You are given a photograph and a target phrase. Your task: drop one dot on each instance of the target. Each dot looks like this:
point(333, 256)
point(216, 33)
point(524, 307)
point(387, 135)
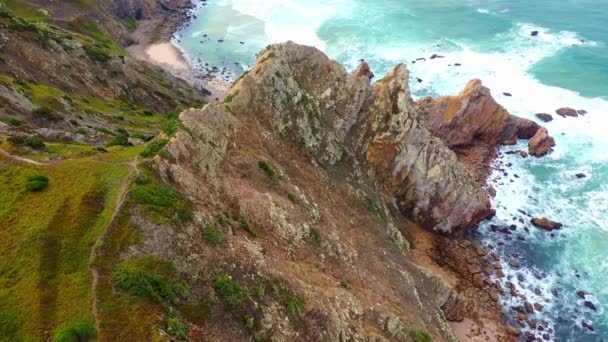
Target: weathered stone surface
point(541, 143)
point(471, 115)
point(567, 111)
point(544, 117)
point(546, 224)
point(363, 70)
point(297, 92)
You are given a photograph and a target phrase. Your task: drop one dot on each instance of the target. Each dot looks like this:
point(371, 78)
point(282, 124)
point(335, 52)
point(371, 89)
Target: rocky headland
point(307, 204)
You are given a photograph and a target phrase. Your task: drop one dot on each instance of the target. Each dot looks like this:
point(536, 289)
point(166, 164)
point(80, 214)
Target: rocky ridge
point(333, 141)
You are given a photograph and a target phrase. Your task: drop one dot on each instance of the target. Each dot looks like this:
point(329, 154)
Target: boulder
point(546, 224)
point(519, 128)
point(541, 143)
point(534, 33)
point(567, 111)
point(581, 175)
point(363, 70)
point(590, 305)
point(544, 117)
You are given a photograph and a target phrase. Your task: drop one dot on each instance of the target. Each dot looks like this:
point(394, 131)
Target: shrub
point(264, 166)
point(14, 122)
point(37, 183)
point(96, 54)
point(141, 179)
point(153, 148)
point(16, 140)
point(44, 113)
point(171, 127)
point(260, 291)
point(212, 235)
point(294, 304)
point(148, 284)
point(344, 285)
point(119, 140)
point(421, 336)
point(164, 200)
point(246, 226)
point(177, 328)
point(294, 198)
point(34, 142)
point(76, 331)
point(233, 293)
point(249, 321)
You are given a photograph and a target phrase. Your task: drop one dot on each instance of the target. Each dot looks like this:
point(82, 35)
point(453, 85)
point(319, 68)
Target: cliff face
point(318, 164)
point(370, 134)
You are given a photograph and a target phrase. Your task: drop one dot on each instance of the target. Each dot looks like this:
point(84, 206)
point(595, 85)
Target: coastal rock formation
point(567, 111)
point(546, 224)
point(544, 117)
point(472, 123)
point(363, 70)
point(541, 143)
point(316, 164)
point(473, 115)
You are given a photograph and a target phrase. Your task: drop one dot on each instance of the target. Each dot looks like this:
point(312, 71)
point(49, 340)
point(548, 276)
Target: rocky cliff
point(369, 134)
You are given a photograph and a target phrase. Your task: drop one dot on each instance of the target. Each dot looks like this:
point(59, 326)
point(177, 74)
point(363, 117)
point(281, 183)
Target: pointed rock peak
point(363, 70)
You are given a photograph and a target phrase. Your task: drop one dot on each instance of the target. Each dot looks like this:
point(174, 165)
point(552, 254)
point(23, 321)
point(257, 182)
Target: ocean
point(565, 65)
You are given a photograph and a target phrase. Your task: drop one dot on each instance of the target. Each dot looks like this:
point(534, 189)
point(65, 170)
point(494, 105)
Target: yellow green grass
point(46, 238)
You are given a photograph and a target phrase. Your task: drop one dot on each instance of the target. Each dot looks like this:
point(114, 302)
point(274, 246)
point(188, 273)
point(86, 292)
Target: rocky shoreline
point(465, 264)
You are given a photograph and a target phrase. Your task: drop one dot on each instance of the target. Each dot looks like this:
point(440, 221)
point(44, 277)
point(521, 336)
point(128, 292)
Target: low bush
point(421, 336)
point(153, 148)
point(294, 304)
point(177, 328)
point(45, 113)
point(264, 166)
point(119, 140)
point(14, 122)
point(147, 284)
point(37, 183)
point(171, 127)
point(76, 331)
point(164, 200)
point(34, 142)
point(231, 292)
point(213, 235)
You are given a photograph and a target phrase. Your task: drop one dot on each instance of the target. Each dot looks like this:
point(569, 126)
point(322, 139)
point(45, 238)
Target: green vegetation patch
point(153, 147)
point(293, 303)
point(76, 331)
point(177, 328)
point(213, 235)
point(48, 235)
point(150, 278)
point(268, 170)
point(232, 293)
point(421, 336)
point(163, 200)
point(37, 183)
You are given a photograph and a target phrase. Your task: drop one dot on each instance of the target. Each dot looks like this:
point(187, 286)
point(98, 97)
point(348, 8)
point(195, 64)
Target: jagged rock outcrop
point(541, 143)
point(363, 70)
point(346, 158)
point(466, 118)
point(369, 132)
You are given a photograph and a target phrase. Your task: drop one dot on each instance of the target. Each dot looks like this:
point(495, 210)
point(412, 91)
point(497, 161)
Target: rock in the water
point(581, 294)
point(581, 175)
point(541, 143)
point(544, 117)
point(363, 70)
point(567, 111)
point(507, 94)
point(523, 154)
point(534, 33)
point(546, 224)
point(590, 305)
point(581, 112)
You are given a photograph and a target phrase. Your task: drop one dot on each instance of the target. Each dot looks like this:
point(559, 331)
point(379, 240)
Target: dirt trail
point(122, 194)
point(21, 159)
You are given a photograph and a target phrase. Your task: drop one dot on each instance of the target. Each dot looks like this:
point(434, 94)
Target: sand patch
point(167, 53)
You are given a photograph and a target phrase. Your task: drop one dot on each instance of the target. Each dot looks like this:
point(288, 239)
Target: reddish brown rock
point(567, 111)
point(471, 115)
point(544, 117)
point(541, 143)
point(363, 70)
point(546, 224)
point(518, 128)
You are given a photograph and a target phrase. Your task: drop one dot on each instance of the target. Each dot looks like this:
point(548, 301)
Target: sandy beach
point(153, 45)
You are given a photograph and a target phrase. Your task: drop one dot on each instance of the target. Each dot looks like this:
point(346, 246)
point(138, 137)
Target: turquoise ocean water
point(565, 65)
